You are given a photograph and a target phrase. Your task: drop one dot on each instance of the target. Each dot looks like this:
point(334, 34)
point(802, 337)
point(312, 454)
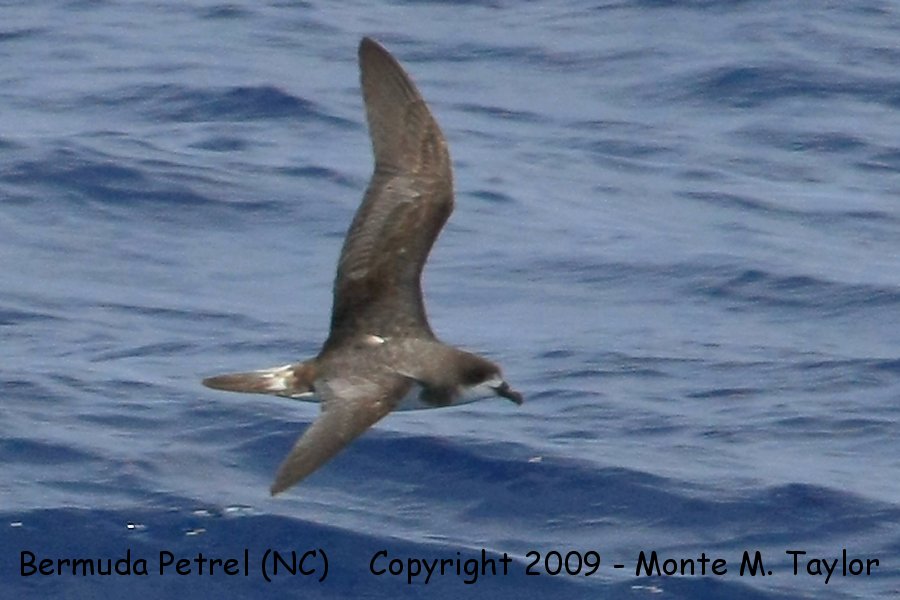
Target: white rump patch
point(277, 377)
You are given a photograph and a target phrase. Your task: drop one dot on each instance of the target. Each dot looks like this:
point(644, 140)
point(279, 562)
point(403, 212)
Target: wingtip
point(280, 484)
point(368, 45)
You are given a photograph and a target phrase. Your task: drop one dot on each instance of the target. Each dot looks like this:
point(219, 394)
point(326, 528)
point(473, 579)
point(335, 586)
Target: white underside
point(413, 401)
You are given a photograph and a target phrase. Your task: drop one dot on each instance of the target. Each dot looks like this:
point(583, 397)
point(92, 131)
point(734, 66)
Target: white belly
point(413, 401)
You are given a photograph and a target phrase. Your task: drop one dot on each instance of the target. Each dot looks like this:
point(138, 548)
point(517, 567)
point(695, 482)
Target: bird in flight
point(381, 354)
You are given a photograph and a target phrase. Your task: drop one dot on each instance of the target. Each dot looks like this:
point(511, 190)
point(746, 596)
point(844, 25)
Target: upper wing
point(405, 206)
point(349, 407)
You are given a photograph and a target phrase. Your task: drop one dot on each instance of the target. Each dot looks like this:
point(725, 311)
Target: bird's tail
point(291, 381)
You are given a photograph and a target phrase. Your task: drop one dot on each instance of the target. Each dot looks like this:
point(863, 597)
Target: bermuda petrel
point(381, 354)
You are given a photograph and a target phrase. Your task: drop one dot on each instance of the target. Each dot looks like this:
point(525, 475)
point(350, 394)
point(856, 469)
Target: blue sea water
point(677, 228)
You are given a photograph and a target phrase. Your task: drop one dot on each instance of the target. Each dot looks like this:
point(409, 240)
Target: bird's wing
point(410, 196)
point(350, 405)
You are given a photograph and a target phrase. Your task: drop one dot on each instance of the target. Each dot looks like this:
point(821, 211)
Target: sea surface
point(677, 229)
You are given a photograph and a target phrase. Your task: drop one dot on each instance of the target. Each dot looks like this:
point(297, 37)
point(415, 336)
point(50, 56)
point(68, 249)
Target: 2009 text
point(555, 563)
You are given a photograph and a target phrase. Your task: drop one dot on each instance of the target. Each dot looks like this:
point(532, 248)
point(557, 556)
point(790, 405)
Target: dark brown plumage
point(381, 352)
point(409, 198)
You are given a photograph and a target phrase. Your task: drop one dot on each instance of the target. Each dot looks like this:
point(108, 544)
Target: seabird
point(381, 353)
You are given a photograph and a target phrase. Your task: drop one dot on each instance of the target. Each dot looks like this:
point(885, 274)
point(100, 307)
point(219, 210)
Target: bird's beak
point(507, 392)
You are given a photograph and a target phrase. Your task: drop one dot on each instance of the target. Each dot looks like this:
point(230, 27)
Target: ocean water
point(677, 228)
